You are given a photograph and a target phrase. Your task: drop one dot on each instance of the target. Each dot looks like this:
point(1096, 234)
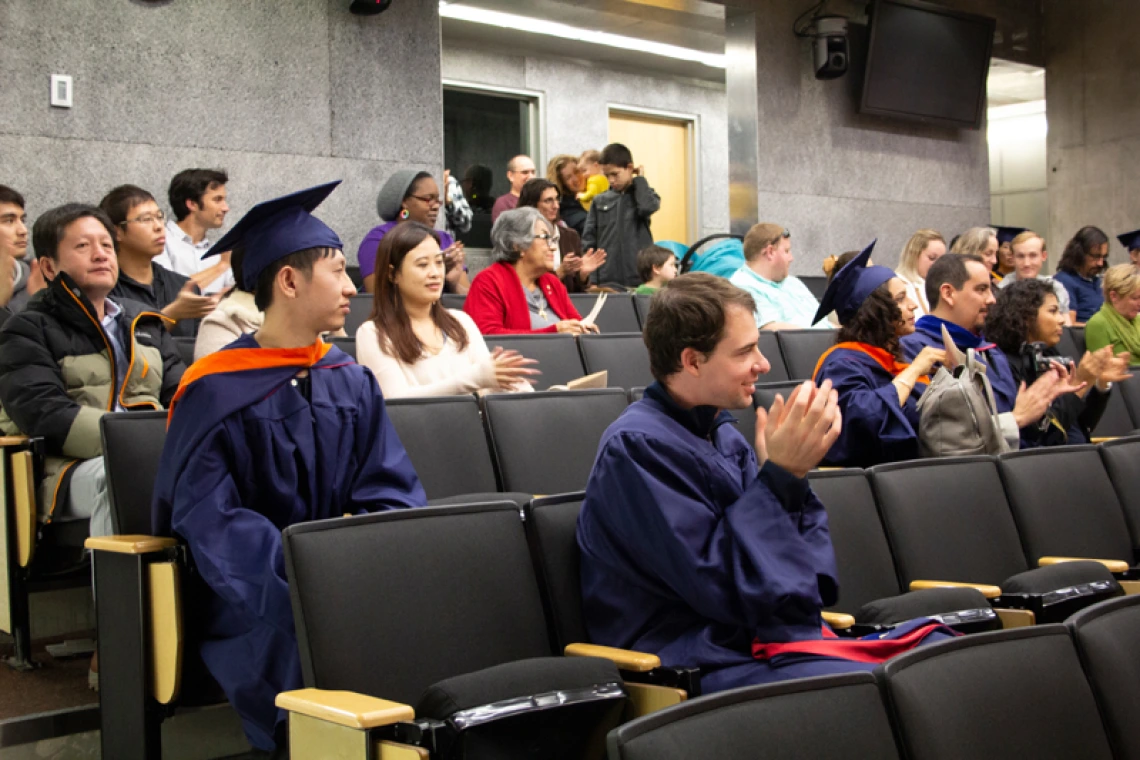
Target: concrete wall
point(281, 94)
point(576, 97)
point(1093, 107)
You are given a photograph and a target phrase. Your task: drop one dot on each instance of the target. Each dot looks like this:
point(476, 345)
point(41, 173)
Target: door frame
point(536, 113)
point(692, 124)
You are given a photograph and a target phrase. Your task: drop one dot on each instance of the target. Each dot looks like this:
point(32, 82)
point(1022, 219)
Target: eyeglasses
point(431, 200)
point(148, 219)
point(551, 240)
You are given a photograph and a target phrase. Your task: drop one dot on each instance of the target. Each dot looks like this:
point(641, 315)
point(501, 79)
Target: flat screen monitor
point(928, 63)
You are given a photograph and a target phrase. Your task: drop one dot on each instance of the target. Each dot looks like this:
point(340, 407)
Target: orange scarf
point(881, 356)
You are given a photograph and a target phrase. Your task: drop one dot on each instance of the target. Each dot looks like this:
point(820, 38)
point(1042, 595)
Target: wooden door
point(664, 148)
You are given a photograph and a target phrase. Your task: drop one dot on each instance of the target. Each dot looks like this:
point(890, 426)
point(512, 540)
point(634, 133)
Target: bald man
point(520, 169)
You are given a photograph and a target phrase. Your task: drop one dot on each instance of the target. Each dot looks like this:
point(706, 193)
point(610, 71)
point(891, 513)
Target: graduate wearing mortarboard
point(1005, 236)
point(275, 429)
point(878, 393)
point(1131, 243)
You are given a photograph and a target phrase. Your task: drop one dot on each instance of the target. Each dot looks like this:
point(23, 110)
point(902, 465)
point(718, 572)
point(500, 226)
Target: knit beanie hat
point(393, 193)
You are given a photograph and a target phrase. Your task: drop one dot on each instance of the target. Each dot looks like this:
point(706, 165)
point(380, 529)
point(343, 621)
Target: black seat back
point(1122, 461)
point(618, 315)
point(862, 554)
point(826, 718)
point(622, 355)
point(348, 345)
point(185, 348)
point(132, 449)
point(453, 300)
point(1068, 345)
point(387, 604)
point(765, 394)
point(817, 284)
point(1013, 693)
point(1129, 391)
point(445, 440)
point(770, 347)
point(360, 307)
point(557, 355)
point(1116, 420)
point(1106, 635)
point(802, 349)
point(641, 304)
point(545, 443)
point(552, 530)
point(1064, 504)
point(948, 520)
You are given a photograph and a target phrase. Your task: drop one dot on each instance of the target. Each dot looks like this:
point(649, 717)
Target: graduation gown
point(692, 552)
point(247, 454)
point(928, 332)
point(876, 429)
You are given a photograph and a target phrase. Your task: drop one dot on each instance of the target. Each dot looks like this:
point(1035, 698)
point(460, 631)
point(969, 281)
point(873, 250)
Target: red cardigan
point(498, 305)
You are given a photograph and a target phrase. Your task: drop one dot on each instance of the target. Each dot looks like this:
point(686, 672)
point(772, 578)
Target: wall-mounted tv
point(927, 62)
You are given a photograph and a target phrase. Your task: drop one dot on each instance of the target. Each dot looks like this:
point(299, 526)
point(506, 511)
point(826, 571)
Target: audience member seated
point(618, 219)
point(198, 199)
point(923, 249)
point(520, 170)
point(782, 301)
point(519, 293)
point(1084, 259)
point(574, 267)
point(981, 242)
point(75, 354)
point(1005, 236)
point(655, 266)
point(1116, 323)
point(411, 195)
point(959, 288)
point(1026, 323)
point(878, 393)
point(415, 346)
point(1131, 243)
point(236, 315)
point(278, 428)
point(26, 278)
point(698, 547)
point(563, 171)
point(1028, 251)
point(140, 234)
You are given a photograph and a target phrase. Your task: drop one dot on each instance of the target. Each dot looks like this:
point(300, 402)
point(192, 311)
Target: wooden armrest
point(166, 639)
point(839, 621)
point(1113, 565)
point(344, 708)
point(1103, 438)
point(626, 659)
point(20, 468)
point(989, 592)
point(136, 544)
point(13, 440)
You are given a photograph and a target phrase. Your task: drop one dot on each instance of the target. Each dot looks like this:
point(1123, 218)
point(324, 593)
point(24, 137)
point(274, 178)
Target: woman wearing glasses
point(412, 195)
point(519, 292)
point(1085, 257)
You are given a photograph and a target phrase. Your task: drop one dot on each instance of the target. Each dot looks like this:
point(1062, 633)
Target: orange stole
point(884, 359)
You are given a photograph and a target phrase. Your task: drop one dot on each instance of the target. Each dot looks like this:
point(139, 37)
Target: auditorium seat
point(802, 348)
point(1072, 343)
point(623, 356)
point(641, 303)
point(132, 450)
point(453, 301)
point(765, 394)
point(348, 345)
point(1129, 391)
point(1116, 421)
point(618, 315)
point(545, 443)
point(185, 348)
point(360, 307)
point(816, 284)
point(1122, 461)
point(557, 355)
point(770, 348)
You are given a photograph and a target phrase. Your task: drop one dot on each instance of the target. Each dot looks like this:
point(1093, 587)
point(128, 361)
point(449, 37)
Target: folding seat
point(387, 605)
point(622, 355)
point(185, 348)
point(1072, 343)
point(1106, 635)
point(816, 284)
point(618, 315)
point(1065, 506)
point(765, 394)
point(453, 300)
point(802, 349)
point(825, 718)
point(1116, 420)
point(1129, 391)
point(545, 443)
point(360, 308)
point(948, 520)
point(869, 589)
point(348, 345)
point(641, 304)
point(1121, 459)
point(769, 346)
point(557, 355)
point(1018, 693)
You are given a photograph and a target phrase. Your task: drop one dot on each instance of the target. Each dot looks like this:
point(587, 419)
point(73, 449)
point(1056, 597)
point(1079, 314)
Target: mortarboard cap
point(1130, 240)
point(851, 285)
point(273, 229)
point(1007, 234)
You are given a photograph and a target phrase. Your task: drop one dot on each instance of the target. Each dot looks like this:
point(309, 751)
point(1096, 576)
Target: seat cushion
point(916, 604)
point(1041, 580)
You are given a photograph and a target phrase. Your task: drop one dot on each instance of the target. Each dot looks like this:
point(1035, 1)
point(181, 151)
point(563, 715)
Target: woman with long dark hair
point(1079, 269)
point(415, 346)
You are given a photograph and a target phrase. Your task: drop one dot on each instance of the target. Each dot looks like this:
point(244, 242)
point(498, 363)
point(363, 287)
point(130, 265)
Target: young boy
point(618, 221)
point(656, 266)
point(596, 183)
point(275, 429)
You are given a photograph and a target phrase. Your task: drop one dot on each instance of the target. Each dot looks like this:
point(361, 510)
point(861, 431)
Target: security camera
point(830, 47)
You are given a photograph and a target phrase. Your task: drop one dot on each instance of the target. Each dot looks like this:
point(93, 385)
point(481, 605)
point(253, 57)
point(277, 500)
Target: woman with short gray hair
point(519, 293)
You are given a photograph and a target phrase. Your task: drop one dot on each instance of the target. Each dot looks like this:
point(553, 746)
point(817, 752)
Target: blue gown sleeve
point(876, 428)
point(385, 477)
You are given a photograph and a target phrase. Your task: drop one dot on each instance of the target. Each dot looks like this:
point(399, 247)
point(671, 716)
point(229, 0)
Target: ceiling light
point(565, 31)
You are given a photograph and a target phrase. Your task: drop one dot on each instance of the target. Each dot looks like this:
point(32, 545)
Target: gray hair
point(514, 232)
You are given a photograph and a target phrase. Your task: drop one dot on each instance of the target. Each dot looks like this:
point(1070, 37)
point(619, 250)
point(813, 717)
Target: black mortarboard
point(273, 229)
point(851, 285)
point(1130, 240)
point(1007, 234)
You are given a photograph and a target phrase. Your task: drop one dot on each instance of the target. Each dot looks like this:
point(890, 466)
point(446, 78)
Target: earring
point(403, 213)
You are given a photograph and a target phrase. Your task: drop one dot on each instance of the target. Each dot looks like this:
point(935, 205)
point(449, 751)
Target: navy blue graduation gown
point(246, 455)
point(927, 332)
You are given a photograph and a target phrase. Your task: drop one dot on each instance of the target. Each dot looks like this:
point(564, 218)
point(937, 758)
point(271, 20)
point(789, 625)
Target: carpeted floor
point(55, 685)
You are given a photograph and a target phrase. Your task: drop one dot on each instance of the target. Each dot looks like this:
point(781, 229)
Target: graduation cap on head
point(851, 285)
point(273, 229)
point(1130, 240)
point(1007, 234)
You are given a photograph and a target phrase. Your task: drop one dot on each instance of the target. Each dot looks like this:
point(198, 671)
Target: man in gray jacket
point(618, 221)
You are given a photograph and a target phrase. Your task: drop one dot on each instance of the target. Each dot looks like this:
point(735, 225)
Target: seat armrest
point(625, 659)
point(13, 440)
point(839, 621)
point(133, 544)
point(989, 592)
point(18, 467)
point(1113, 565)
point(344, 708)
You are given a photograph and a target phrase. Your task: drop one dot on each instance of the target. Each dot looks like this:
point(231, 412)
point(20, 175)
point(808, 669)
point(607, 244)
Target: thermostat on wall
point(61, 91)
